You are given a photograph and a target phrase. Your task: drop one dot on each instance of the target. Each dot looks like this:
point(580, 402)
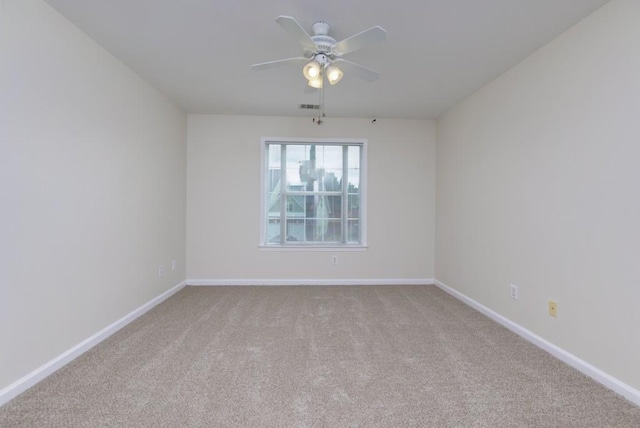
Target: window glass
point(319, 207)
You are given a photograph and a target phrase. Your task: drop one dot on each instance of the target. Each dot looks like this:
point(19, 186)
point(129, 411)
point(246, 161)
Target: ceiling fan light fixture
point(316, 83)
point(311, 70)
point(334, 74)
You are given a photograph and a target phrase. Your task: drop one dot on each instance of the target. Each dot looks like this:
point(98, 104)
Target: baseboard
point(61, 360)
point(291, 282)
point(593, 372)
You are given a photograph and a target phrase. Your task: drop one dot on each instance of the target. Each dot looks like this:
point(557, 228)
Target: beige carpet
point(370, 356)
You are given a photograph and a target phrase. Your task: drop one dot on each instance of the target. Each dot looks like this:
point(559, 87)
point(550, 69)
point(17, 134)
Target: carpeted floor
point(369, 356)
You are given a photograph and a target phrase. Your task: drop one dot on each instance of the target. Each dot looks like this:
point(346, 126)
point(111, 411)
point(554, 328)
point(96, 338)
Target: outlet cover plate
point(553, 308)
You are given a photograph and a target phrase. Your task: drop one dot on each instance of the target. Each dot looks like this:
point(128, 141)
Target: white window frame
point(362, 245)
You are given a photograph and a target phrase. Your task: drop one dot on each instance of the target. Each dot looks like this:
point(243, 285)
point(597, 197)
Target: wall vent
point(310, 106)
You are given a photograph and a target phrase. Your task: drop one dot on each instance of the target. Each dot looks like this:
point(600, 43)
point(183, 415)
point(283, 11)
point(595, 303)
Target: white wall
point(223, 200)
point(538, 185)
point(92, 187)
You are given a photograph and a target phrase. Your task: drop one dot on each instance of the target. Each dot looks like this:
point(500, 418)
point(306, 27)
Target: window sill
point(313, 248)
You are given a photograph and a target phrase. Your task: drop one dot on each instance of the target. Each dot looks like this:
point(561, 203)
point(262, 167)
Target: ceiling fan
point(323, 55)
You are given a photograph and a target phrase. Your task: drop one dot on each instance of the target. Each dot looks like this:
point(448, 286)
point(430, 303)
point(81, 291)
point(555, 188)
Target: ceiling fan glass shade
point(311, 70)
point(316, 83)
point(334, 74)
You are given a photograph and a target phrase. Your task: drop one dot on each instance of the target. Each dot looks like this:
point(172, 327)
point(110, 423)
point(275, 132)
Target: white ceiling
point(437, 52)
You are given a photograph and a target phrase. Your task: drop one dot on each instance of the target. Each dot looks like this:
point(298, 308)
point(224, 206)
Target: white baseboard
point(66, 357)
point(593, 372)
point(291, 282)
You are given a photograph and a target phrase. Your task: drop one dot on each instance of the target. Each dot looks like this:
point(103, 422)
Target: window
point(313, 193)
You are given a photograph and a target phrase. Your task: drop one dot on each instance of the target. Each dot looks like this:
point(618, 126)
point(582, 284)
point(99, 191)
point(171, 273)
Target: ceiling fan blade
point(361, 40)
point(296, 31)
point(362, 72)
point(279, 63)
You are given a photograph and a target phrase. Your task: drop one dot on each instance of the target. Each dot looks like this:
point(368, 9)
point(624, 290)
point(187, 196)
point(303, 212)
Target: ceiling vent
point(310, 106)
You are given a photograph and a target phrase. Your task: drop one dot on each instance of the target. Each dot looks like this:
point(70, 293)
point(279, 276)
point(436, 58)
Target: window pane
point(328, 206)
point(333, 206)
point(295, 206)
point(329, 157)
point(317, 217)
point(353, 154)
point(273, 231)
point(298, 167)
point(353, 207)
point(324, 230)
point(353, 231)
point(295, 230)
point(295, 154)
point(273, 205)
point(273, 218)
point(329, 168)
point(310, 206)
point(273, 180)
point(274, 155)
point(354, 181)
point(334, 231)
point(331, 181)
point(323, 218)
point(321, 206)
point(273, 170)
point(315, 230)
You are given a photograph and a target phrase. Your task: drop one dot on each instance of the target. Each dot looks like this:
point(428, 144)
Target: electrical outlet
point(174, 264)
point(334, 260)
point(161, 271)
point(553, 308)
point(513, 291)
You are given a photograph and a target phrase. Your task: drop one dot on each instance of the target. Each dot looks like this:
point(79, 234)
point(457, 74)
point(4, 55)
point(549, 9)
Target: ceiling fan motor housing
point(324, 43)
point(321, 38)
